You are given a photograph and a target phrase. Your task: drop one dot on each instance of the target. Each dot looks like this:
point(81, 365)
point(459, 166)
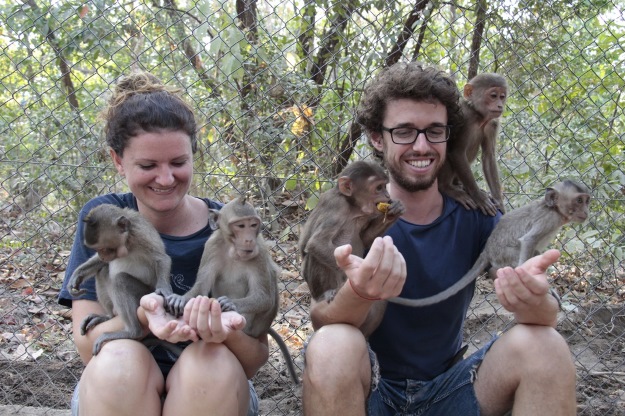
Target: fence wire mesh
point(275, 84)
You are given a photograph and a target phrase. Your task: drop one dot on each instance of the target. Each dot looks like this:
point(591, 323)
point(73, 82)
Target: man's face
point(415, 166)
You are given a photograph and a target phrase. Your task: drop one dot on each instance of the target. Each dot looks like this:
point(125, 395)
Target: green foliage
point(262, 116)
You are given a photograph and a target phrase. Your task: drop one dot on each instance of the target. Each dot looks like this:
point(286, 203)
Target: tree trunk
point(407, 32)
point(478, 33)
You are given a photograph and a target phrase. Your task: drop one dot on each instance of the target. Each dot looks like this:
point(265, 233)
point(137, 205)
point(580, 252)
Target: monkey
point(521, 234)
point(347, 214)
point(237, 269)
point(483, 103)
point(130, 261)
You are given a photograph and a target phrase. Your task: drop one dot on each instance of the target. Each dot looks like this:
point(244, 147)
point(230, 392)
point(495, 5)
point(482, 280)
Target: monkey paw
point(91, 321)
point(226, 304)
point(75, 291)
point(174, 304)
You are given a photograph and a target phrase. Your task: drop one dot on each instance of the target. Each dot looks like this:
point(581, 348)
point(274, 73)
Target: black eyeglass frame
point(419, 131)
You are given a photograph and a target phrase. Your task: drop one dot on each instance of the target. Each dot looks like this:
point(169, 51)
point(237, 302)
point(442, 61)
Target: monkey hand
point(74, 284)
point(174, 304)
point(484, 203)
point(524, 290)
point(226, 304)
point(163, 325)
point(380, 275)
point(396, 209)
point(204, 315)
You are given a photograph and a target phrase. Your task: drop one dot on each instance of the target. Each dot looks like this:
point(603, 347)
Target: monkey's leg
point(286, 354)
point(91, 321)
point(126, 293)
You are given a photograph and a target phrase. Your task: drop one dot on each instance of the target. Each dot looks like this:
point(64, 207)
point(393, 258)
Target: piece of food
point(383, 207)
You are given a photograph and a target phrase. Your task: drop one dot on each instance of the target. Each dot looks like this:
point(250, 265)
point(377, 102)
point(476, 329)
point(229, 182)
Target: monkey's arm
point(462, 167)
point(163, 272)
point(491, 171)
point(87, 270)
point(537, 235)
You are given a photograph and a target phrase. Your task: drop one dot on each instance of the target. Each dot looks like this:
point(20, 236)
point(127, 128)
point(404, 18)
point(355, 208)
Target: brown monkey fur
point(346, 214)
point(130, 262)
point(237, 269)
point(483, 103)
point(521, 234)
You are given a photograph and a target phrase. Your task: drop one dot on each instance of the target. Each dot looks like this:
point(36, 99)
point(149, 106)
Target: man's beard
point(410, 184)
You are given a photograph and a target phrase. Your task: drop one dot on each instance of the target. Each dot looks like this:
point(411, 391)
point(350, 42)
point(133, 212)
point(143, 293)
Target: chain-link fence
point(275, 84)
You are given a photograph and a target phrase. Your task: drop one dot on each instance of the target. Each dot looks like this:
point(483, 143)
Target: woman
point(151, 133)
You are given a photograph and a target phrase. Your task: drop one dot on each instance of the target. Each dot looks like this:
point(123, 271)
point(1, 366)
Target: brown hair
point(142, 103)
point(407, 80)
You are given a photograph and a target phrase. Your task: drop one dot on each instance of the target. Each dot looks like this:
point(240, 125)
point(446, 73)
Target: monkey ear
point(213, 217)
point(468, 90)
point(123, 224)
point(551, 197)
point(345, 185)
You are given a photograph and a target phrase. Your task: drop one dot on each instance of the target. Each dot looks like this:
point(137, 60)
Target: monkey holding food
point(237, 269)
point(521, 234)
point(130, 262)
point(356, 211)
point(483, 103)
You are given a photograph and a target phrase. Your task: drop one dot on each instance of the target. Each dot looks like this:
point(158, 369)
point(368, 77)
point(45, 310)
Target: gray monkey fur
point(520, 234)
point(140, 266)
point(247, 285)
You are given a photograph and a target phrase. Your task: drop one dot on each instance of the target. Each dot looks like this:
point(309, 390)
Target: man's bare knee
point(336, 352)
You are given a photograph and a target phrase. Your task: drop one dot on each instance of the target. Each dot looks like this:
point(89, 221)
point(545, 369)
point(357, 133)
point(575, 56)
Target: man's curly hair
point(407, 80)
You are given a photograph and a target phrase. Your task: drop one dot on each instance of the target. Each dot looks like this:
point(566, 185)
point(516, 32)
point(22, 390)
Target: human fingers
point(151, 302)
point(183, 332)
point(509, 286)
point(378, 258)
point(342, 255)
point(233, 320)
point(201, 315)
point(539, 264)
point(400, 273)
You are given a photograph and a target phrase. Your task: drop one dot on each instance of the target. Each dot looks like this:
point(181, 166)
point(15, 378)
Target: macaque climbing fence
point(274, 85)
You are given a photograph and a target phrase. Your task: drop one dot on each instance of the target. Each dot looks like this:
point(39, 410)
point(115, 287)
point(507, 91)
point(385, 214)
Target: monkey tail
point(478, 267)
point(287, 356)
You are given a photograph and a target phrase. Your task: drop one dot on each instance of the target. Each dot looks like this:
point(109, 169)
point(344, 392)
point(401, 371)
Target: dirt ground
point(46, 382)
point(39, 366)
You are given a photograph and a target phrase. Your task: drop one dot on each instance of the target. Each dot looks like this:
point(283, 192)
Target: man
point(411, 363)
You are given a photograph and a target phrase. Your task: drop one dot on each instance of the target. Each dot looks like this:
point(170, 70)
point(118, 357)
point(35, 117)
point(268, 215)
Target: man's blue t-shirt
point(420, 343)
point(185, 252)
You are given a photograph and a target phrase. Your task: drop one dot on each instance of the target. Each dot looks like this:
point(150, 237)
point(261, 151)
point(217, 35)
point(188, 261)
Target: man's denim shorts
point(451, 393)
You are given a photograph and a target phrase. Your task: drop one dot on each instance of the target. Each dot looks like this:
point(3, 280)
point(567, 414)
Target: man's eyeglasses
point(408, 135)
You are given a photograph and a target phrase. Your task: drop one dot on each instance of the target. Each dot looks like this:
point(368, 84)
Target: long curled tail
point(478, 267)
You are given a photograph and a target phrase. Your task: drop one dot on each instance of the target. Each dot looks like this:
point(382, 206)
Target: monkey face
point(244, 234)
point(158, 167)
point(491, 102)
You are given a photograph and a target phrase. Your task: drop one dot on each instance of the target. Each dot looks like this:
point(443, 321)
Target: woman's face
point(158, 167)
